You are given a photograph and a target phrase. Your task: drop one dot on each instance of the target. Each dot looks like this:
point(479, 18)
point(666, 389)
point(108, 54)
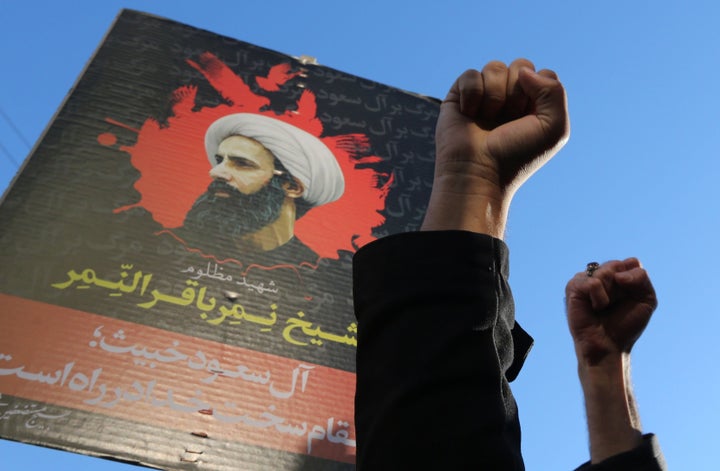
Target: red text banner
point(92, 363)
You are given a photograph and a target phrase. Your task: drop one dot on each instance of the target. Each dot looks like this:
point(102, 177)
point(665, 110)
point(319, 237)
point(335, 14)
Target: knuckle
point(495, 67)
point(575, 282)
point(471, 75)
point(549, 74)
point(570, 286)
point(470, 81)
point(523, 62)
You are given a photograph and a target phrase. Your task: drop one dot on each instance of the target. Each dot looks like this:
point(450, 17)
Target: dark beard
point(214, 219)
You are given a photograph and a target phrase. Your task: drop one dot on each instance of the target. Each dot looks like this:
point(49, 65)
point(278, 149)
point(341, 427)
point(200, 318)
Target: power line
point(15, 128)
point(9, 155)
point(18, 133)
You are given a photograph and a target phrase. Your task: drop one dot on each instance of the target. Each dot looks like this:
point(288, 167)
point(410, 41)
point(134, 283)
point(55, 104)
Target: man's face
point(244, 164)
point(244, 196)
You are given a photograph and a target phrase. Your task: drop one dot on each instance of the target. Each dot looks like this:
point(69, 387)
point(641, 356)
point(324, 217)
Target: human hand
point(608, 311)
point(498, 126)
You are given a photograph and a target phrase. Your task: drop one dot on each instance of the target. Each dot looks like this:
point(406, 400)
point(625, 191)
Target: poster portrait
point(175, 256)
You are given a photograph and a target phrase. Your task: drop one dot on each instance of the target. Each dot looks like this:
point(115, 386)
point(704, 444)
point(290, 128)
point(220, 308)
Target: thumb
point(549, 102)
point(534, 138)
point(637, 284)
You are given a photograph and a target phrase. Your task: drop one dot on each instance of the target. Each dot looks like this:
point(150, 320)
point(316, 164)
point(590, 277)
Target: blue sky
point(638, 177)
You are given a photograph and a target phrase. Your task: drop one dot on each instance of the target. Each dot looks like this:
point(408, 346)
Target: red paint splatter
point(107, 139)
point(174, 168)
point(332, 227)
point(277, 76)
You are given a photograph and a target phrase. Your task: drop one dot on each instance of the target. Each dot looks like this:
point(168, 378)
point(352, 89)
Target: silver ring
point(591, 267)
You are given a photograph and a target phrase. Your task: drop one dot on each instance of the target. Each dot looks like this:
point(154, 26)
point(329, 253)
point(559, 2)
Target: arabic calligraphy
point(197, 361)
point(211, 311)
point(89, 277)
point(108, 397)
point(259, 287)
point(215, 271)
point(339, 436)
point(199, 273)
point(100, 392)
point(316, 334)
point(34, 414)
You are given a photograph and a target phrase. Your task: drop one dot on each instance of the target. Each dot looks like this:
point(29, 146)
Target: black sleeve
point(437, 345)
point(646, 457)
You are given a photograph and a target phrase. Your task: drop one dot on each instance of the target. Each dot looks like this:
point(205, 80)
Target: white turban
point(305, 156)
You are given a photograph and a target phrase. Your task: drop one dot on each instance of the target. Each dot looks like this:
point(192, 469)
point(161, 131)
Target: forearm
point(616, 440)
point(613, 422)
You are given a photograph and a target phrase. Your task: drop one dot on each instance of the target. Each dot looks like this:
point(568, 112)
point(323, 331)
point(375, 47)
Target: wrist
point(594, 365)
point(466, 202)
point(604, 379)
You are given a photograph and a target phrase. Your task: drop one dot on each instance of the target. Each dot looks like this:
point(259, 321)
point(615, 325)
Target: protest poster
point(175, 256)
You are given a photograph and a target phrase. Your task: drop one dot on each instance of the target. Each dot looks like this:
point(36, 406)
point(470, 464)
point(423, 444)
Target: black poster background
point(59, 215)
